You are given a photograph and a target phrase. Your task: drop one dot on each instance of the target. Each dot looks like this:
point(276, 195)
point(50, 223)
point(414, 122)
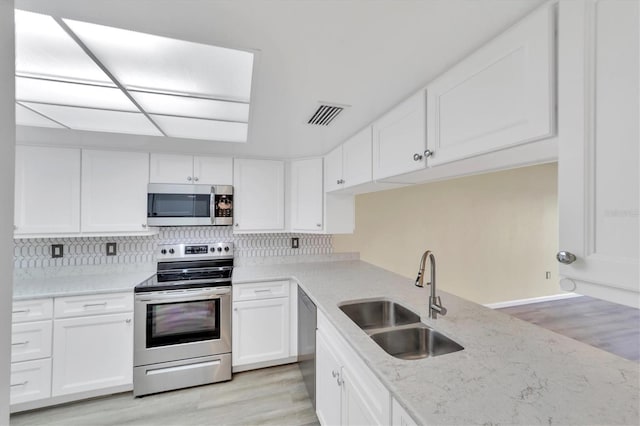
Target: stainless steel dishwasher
point(307, 343)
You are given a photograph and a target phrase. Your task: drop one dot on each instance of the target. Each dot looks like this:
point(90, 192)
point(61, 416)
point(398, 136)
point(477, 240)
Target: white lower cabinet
point(92, 352)
point(264, 322)
point(399, 416)
point(30, 380)
point(347, 392)
point(30, 340)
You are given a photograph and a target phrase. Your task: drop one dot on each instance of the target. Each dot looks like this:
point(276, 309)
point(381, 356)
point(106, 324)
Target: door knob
point(566, 257)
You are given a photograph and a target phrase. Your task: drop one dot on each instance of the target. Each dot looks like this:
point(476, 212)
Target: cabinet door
point(213, 170)
point(398, 137)
point(500, 96)
point(356, 158)
point(355, 410)
point(92, 353)
point(399, 415)
point(260, 331)
point(114, 191)
point(47, 198)
point(259, 195)
point(328, 382)
point(598, 150)
point(306, 195)
point(333, 170)
point(171, 168)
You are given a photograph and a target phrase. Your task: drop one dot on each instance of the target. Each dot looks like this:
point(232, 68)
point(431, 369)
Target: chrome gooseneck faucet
point(435, 304)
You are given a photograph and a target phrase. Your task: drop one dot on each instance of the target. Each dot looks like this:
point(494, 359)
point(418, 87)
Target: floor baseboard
point(518, 302)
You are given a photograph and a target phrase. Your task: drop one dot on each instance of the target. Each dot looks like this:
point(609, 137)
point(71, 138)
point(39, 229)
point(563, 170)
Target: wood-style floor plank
point(271, 396)
point(608, 326)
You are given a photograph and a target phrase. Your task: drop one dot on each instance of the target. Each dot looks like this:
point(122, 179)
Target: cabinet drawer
point(30, 340)
point(32, 310)
point(66, 307)
point(262, 290)
point(30, 380)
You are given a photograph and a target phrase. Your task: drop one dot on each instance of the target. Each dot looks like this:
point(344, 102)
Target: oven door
point(175, 205)
point(181, 324)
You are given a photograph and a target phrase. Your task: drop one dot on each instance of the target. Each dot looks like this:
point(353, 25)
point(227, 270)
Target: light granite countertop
point(75, 285)
point(510, 372)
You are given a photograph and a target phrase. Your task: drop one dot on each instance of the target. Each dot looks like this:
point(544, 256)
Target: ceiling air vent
point(325, 114)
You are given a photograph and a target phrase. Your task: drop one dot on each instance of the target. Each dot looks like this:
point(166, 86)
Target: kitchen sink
point(415, 342)
point(379, 313)
point(398, 330)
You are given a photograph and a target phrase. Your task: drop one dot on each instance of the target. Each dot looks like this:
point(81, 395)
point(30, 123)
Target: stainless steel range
point(182, 319)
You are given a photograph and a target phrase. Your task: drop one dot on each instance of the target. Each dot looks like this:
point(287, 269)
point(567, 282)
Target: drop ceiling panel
point(44, 49)
point(155, 63)
point(98, 120)
point(192, 107)
point(193, 128)
point(72, 94)
point(26, 117)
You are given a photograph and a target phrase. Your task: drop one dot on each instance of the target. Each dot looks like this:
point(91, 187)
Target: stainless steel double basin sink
point(398, 330)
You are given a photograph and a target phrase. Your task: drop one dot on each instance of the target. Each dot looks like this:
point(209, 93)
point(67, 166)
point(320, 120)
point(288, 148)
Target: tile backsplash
point(87, 251)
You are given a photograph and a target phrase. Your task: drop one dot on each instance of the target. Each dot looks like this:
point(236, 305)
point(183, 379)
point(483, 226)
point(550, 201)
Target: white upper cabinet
point(259, 195)
point(114, 191)
point(306, 195)
point(500, 96)
point(47, 190)
point(598, 149)
point(176, 168)
point(333, 170)
point(399, 139)
point(349, 164)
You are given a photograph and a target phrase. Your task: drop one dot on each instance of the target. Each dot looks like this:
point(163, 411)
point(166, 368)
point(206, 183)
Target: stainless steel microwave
point(189, 205)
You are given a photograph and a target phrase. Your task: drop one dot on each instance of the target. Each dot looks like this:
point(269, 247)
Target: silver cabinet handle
point(21, 311)
point(89, 305)
point(19, 384)
point(417, 157)
point(189, 178)
point(566, 257)
point(26, 342)
point(428, 153)
point(195, 179)
point(262, 290)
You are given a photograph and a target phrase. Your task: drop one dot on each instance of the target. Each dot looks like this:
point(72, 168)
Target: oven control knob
point(219, 249)
point(163, 251)
point(212, 249)
point(226, 249)
point(171, 251)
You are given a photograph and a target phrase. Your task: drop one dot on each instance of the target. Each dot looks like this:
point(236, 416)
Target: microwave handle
point(212, 207)
point(180, 296)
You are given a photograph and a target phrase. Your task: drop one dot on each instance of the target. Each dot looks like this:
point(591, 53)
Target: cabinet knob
point(144, 225)
point(236, 225)
point(566, 257)
point(319, 225)
point(428, 153)
point(196, 179)
point(334, 374)
point(128, 320)
point(189, 178)
point(417, 157)
point(340, 181)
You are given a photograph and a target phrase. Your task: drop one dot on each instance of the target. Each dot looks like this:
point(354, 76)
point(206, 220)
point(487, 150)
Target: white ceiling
point(369, 54)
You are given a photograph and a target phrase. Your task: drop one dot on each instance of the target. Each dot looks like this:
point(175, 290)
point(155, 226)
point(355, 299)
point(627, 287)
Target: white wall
point(7, 149)
point(494, 235)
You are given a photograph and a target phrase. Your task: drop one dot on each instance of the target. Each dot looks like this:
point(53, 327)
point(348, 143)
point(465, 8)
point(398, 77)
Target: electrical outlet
point(295, 243)
point(57, 250)
point(111, 249)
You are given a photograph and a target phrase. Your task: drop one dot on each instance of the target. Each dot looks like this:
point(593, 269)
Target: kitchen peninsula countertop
point(510, 372)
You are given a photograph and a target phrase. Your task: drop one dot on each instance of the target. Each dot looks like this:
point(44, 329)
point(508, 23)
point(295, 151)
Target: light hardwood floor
point(271, 396)
point(608, 326)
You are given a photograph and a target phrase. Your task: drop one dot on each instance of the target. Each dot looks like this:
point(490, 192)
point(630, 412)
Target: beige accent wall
point(494, 235)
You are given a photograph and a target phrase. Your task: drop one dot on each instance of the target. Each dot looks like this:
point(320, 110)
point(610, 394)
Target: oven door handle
point(185, 297)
